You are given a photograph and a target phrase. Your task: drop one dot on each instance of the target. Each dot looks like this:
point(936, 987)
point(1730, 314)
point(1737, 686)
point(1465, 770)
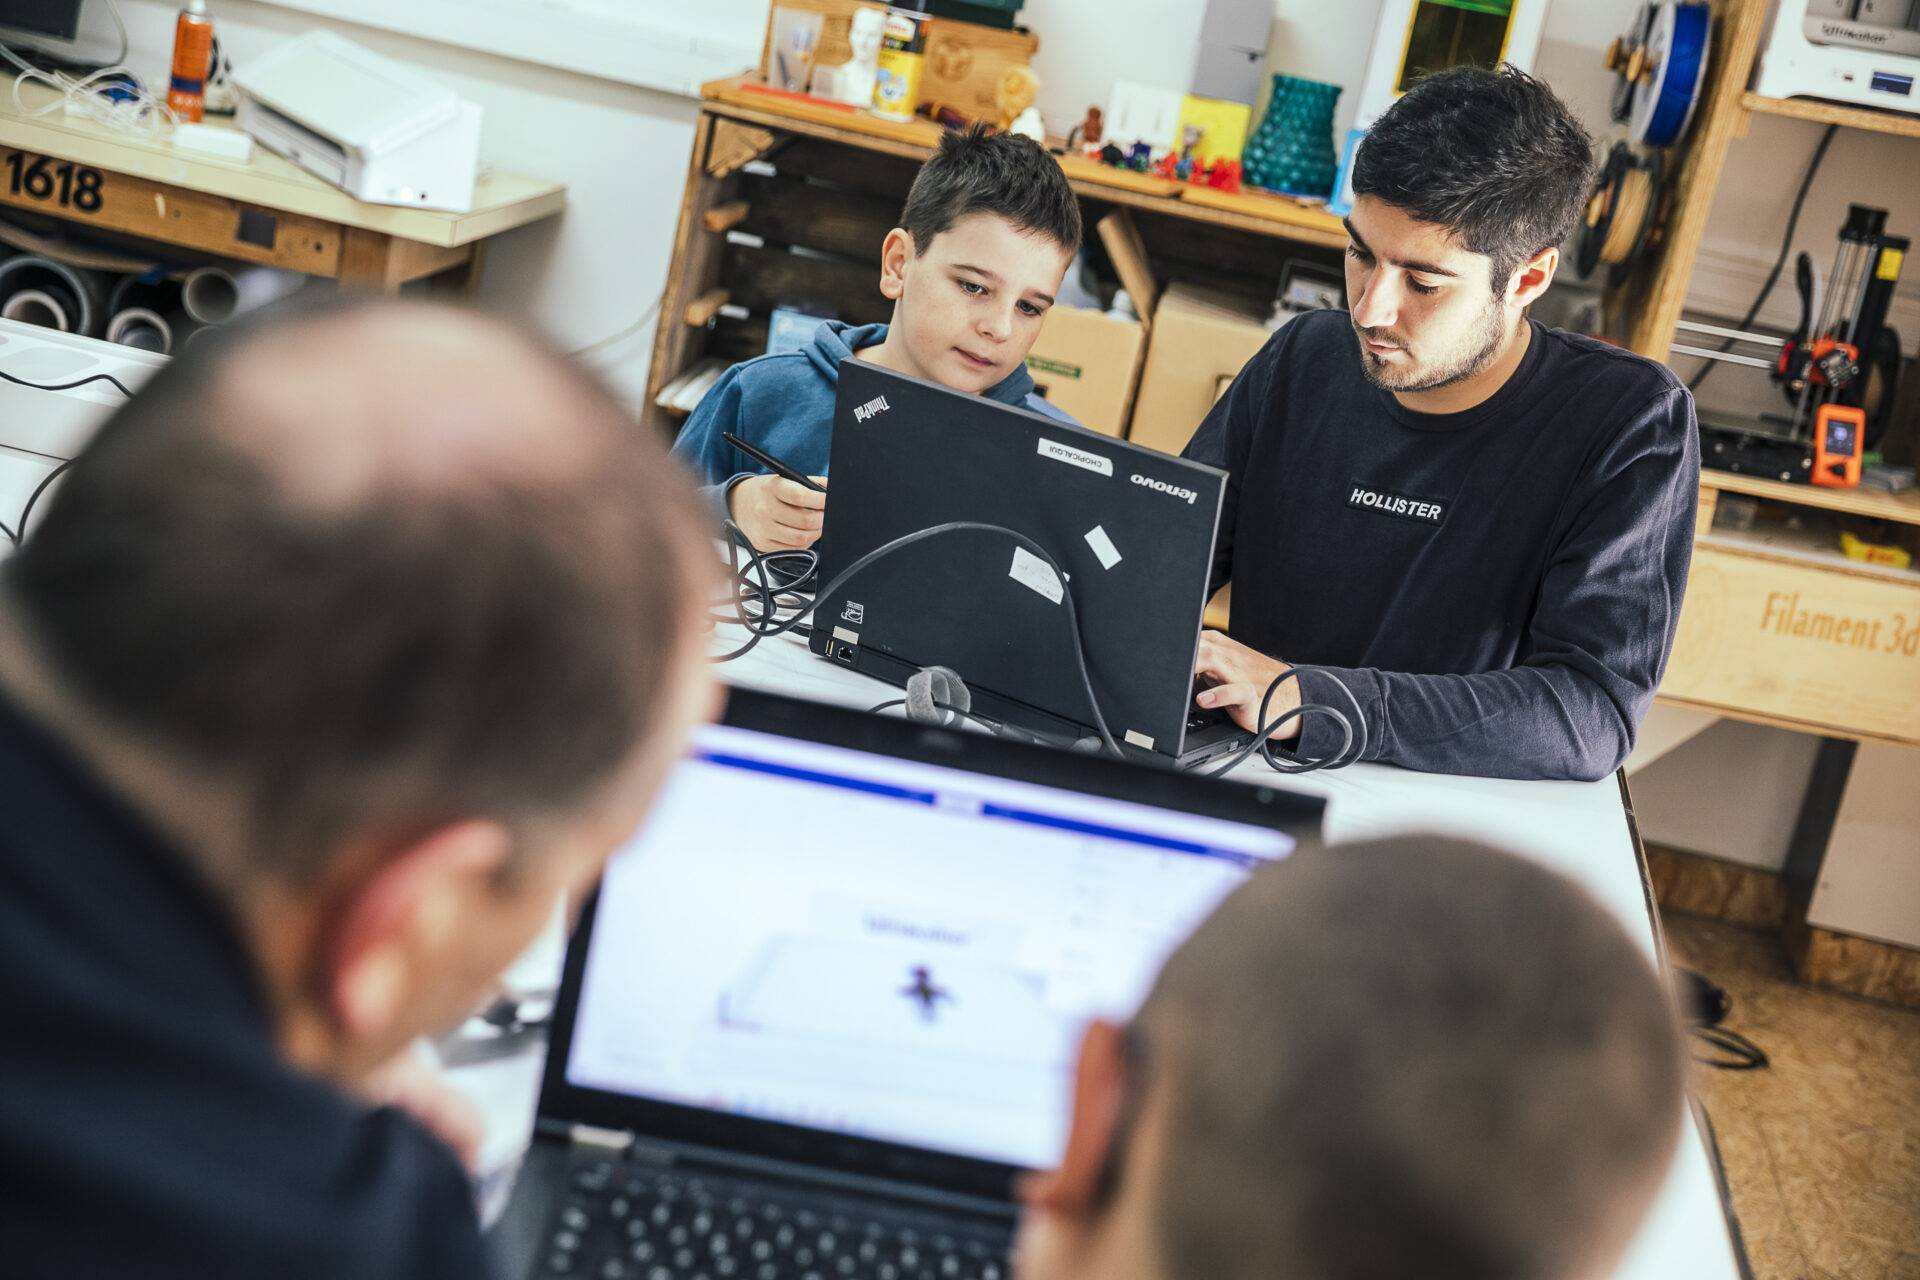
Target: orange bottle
point(192, 61)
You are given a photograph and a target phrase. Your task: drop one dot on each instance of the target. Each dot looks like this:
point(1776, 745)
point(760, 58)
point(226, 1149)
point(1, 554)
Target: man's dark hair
point(380, 636)
point(1418, 1057)
point(1493, 156)
point(976, 171)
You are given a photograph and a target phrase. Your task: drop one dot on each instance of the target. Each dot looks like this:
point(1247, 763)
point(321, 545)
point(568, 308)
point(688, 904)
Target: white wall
point(621, 150)
point(1085, 45)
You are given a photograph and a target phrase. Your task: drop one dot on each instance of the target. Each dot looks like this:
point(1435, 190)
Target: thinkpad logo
point(1187, 496)
point(877, 405)
point(1423, 510)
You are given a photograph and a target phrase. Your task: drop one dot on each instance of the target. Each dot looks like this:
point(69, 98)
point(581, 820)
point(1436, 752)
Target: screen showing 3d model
point(881, 948)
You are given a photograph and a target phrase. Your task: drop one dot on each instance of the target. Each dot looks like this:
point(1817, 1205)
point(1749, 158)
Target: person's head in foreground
point(989, 229)
point(1463, 190)
point(1410, 1058)
point(352, 644)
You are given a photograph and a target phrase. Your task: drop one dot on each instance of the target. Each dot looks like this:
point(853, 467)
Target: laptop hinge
point(588, 1135)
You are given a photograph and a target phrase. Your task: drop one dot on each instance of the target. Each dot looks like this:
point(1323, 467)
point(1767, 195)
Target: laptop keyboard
point(620, 1222)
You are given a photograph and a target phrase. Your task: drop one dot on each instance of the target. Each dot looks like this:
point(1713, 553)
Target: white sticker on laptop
point(1029, 570)
point(1075, 457)
point(1109, 555)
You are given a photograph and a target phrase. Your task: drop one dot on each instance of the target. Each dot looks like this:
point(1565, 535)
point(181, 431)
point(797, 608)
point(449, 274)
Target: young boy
point(988, 232)
point(1417, 1057)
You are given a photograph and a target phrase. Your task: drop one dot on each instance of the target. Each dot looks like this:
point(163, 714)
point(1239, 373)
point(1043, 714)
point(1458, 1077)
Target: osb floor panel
point(1822, 1149)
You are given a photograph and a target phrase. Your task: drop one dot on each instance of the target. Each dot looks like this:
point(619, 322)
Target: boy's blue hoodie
point(784, 404)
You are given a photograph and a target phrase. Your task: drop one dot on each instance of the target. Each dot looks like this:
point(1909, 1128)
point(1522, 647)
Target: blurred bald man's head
point(374, 564)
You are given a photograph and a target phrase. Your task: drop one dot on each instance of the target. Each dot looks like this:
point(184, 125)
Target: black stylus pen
point(773, 464)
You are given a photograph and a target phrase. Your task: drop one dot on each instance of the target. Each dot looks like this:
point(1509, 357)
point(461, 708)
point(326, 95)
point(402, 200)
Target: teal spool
point(1292, 150)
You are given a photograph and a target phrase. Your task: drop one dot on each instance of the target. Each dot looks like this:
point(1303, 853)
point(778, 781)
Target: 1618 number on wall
point(62, 182)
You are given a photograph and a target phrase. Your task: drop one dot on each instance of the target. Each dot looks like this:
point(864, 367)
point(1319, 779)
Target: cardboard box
point(1200, 341)
point(1087, 363)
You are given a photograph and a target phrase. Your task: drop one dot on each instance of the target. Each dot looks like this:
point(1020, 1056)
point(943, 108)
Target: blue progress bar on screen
point(1104, 832)
point(1005, 813)
point(815, 776)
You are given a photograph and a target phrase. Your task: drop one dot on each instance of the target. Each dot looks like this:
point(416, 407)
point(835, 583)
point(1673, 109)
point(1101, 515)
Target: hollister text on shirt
point(1424, 510)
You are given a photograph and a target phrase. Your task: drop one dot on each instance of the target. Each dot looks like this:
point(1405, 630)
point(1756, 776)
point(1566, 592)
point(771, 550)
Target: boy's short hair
point(1493, 156)
point(978, 171)
point(1416, 1057)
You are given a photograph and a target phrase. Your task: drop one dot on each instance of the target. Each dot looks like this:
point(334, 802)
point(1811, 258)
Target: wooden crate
point(966, 62)
point(1812, 646)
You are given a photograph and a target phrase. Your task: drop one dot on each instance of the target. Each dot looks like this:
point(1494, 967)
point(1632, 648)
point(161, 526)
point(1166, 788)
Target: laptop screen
point(881, 948)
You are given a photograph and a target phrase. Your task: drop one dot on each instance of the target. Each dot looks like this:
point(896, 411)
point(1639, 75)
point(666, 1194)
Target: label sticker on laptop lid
point(1075, 457)
point(1103, 548)
point(1030, 571)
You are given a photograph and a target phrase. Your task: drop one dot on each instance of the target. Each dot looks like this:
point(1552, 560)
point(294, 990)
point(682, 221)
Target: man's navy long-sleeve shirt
point(148, 1124)
point(1497, 588)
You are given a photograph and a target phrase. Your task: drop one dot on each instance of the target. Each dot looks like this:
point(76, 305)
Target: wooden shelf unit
point(772, 174)
point(1865, 118)
point(1871, 504)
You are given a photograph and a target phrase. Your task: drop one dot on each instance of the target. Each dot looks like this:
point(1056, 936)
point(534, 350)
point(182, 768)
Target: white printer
point(373, 126)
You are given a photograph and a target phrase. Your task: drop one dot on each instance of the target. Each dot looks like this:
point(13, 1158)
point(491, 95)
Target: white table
point(1580, 829)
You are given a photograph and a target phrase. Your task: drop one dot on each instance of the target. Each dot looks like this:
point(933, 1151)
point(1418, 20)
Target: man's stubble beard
point(1481, 350)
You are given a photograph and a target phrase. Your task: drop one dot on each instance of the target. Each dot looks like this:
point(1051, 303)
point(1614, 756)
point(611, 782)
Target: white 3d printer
point(373, 126)
point(1860, 51)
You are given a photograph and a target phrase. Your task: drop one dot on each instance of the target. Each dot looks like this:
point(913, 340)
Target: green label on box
point(1040, 364)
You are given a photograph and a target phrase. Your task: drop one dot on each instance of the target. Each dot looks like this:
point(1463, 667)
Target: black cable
point(749, 583)
point(1786, 244)
point(41, 488)
point(1263, 740)
point(1733, 1051)
point(118, 385)
point(13, 536)
point(34, 497)
point(781, 627)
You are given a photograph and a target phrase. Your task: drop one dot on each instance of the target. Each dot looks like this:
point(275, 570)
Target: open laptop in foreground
point(824, 1008)
point(1132, 527)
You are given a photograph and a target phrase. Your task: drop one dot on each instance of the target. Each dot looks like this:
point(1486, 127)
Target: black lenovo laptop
point(824, 1008)
point(1132, 527)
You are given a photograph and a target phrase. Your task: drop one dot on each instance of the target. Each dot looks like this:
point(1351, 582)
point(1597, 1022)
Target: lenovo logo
point(1187, 496)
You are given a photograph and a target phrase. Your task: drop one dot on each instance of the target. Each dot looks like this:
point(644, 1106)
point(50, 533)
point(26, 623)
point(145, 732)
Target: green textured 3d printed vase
point(1292, 150)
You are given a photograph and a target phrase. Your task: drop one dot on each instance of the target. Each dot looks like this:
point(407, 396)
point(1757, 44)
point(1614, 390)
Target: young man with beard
point(1468, 528)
